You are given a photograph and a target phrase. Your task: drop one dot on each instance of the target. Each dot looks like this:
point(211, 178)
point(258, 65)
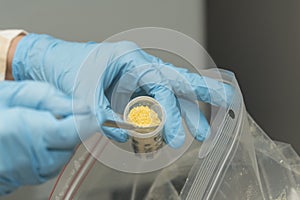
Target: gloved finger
point(153, 81)
point(74, 129)
point(63, 135)
point(117, 134)
point(210, 90)
point(105, 112)
point(61, 142)
point(40, 96)
point(174, 134)
point(30, 137)
point(186, 84)
point(203, 88)
point(52, 169)
point(195, 119)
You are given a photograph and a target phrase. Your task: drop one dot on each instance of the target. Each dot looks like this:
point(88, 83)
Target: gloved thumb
point(117, 134)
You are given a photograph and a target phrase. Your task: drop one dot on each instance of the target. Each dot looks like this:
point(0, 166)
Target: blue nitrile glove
point(41, 57)
point(34, 144)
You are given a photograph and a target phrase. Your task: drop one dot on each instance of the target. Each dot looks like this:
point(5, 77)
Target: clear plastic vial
point(146, 143)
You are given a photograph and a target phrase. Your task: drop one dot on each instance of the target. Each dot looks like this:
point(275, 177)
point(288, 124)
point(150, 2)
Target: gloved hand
point(43, 58)
point(34, 144)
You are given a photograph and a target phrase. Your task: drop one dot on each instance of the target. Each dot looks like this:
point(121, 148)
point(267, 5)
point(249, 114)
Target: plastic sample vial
point(145, 143)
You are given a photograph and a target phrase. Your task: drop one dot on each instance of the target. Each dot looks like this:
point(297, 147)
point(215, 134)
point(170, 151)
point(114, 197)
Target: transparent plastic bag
point(239, 162)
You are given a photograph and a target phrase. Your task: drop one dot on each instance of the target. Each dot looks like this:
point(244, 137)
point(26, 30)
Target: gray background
point(78, 20)
point(260, 42)
point(96, 20)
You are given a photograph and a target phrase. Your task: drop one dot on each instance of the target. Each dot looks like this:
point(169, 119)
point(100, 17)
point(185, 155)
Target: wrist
point(10, 56)
point(6, 39)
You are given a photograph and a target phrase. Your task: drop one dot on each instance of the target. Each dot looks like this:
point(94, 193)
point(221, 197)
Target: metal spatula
point(128, 126)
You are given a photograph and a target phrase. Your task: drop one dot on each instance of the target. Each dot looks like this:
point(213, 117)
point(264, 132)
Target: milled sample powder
point(143, 116)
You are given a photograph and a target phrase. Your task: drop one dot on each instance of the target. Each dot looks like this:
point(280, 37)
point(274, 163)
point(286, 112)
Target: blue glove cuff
point(20, 65)
point(41, 57)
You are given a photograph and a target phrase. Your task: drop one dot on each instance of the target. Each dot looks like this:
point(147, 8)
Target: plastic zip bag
point(239, 162)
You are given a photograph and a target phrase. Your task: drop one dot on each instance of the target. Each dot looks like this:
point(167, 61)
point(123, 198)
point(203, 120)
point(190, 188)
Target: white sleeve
point(6, 37)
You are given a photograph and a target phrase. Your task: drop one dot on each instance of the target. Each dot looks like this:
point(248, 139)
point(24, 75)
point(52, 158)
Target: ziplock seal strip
point(204, 175)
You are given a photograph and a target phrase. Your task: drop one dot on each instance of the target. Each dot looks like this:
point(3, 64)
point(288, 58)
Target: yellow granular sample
point(143, 116)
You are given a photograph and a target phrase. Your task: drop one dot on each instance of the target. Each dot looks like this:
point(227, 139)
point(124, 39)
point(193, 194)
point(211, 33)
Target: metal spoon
point(128, 126)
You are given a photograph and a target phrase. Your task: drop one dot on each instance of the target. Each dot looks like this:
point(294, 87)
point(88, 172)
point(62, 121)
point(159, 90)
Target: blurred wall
point(260, 42)
point(96, 20)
